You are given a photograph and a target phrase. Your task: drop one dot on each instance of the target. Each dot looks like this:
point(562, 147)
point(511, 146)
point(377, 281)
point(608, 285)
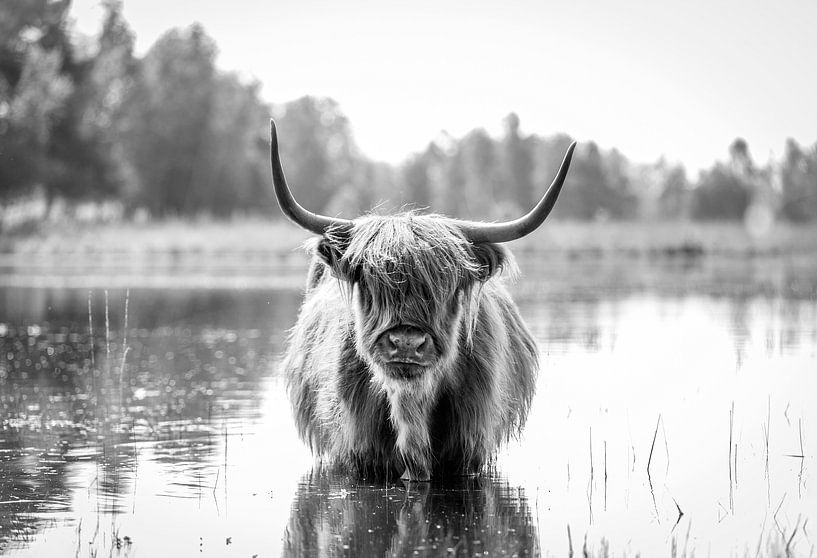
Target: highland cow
point(409, 357)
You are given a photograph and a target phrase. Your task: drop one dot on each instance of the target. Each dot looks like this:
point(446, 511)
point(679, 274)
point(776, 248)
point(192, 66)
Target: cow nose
point(408, 340)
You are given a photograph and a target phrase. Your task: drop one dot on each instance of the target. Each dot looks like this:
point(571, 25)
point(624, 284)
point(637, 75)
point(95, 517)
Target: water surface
point(674, 407)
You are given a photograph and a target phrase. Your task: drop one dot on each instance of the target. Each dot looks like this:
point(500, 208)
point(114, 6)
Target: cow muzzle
point(406, 347)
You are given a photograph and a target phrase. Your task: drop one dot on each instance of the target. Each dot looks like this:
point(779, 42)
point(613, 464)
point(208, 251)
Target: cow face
point(412, 280)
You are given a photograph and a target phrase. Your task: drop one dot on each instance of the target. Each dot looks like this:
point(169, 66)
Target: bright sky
point(681, 78)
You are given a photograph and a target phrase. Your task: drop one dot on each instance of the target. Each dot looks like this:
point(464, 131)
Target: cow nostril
point(394, 341)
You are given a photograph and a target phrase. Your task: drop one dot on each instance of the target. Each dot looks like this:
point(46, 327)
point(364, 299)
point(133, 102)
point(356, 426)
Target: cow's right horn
point(511, 230)
point(312, 222)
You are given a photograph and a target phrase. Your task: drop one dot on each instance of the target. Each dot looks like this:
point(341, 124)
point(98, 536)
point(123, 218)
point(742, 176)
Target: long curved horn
point(511, 230)
point(312, 222)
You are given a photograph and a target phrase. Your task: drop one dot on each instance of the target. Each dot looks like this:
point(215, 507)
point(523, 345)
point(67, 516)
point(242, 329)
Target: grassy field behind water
point(258, 253)
point(251, 238)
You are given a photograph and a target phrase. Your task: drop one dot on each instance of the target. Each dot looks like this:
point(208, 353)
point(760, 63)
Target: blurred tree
point(481, 175)
point(317, 149)
point(371, 189)
point(89, 137)
point(585, 198)
point(29, 116)
point(598, 186)
point(34, 88)
point(674, 193)
point(798, 177)
point(517, 167)
point(725, 191)
point(622, 202)
point(660, 190)
point(237, 152)
point(24, 23)
point(547, 155)
point(416, 178)
point(173, 134)
point(739, 156)
point(168, 120)
point(436, 156)
point(720, 194)
point(452, 184)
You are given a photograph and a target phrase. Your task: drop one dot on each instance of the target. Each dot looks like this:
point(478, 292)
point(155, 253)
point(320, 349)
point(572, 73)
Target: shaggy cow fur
point(419, 270)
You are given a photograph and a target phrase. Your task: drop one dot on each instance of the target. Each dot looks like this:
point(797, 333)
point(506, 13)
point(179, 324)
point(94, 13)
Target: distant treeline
point(84, 119)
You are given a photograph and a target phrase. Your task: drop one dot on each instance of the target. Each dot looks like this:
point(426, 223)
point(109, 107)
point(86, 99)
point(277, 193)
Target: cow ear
point(333, 257)
point(491, 258)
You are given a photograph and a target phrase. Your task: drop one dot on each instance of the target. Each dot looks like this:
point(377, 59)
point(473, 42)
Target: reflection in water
point(332, 516)
point(189, 450)
point(31, 486)
point(67, 398)
point(148, 309)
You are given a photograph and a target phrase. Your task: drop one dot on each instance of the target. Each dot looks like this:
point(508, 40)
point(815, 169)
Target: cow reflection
point(332, 516)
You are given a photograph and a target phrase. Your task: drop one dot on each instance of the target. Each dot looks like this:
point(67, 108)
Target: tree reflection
point(332, 516)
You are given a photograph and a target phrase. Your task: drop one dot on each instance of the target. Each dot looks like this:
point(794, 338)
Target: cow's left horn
point(511, 230)
point(313, 222)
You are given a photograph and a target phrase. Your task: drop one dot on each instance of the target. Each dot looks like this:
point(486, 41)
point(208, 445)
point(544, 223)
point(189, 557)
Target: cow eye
point(365, 294)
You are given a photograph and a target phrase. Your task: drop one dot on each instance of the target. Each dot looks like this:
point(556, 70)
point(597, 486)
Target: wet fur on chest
point(441, 432)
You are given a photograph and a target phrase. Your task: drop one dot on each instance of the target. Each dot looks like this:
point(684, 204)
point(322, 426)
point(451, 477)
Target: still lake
point(676, 407)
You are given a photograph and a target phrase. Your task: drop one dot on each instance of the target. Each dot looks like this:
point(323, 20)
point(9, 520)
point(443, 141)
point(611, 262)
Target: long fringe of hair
point(401, 259)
